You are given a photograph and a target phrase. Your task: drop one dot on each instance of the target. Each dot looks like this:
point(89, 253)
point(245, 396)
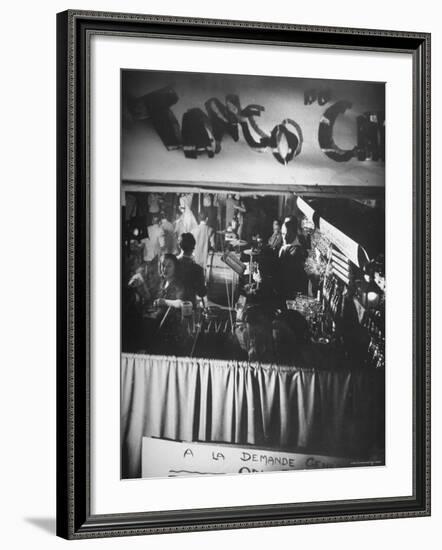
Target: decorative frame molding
point(74, 30)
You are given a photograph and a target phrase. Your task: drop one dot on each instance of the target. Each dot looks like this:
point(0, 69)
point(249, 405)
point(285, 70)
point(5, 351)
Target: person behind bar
point(254, 334)
point(290, 336)
point(191, 274)
point(292, 256)
point(304, 240)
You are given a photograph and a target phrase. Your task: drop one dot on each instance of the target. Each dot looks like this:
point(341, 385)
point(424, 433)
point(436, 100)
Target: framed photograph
point(243, 274)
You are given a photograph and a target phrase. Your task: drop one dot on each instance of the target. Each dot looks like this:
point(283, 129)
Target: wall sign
point(165, 458)
point(251, 129)
point(202, 131)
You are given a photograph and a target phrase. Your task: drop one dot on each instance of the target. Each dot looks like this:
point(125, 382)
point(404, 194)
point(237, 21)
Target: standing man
point(211, 211)
point(230, 209)
point(153, 205)
point(191, 274)
point(204, 239)
point(153, 246)
point(292, 256)
point(170, 238)
point(154, 242)
point(240, 213)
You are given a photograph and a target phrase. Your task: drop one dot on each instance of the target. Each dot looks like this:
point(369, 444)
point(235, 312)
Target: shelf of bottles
point(374, 322)
point(343, 284)
point(334, 294)
point(370, 300)
point(333, 300)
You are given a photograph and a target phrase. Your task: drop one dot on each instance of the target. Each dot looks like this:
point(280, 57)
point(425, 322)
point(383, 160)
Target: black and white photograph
point(219, 218)
point(253, 284)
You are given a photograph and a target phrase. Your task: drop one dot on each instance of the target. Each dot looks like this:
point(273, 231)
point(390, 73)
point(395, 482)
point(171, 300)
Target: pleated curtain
point(285, 408)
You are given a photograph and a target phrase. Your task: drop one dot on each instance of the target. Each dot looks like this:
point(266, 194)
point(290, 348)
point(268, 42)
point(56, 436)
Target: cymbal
point(238, 242)
point(251, 252)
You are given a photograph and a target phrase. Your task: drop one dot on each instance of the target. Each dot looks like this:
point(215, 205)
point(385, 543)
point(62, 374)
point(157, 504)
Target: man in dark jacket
point(292, 256)
point(190, 273)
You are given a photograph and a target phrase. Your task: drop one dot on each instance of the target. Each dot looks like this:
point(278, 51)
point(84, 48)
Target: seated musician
point(292, 257)
point(191, 274)
point(231, 232)
point(275, 241)
point(171, 293)
point(165, 334)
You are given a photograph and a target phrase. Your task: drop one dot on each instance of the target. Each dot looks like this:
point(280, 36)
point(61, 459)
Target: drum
point(221, 281)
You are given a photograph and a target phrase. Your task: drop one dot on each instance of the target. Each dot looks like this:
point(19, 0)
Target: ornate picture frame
point(76, 517)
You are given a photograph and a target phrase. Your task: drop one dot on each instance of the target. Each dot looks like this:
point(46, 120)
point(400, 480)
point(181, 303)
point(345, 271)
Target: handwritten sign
point(165, 458)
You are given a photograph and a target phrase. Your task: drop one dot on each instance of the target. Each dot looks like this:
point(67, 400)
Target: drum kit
point(230, 238)
point(238, 245)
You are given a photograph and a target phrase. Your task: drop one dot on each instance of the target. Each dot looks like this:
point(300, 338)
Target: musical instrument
point(253, 266)
point(238, 242)
point(221, 279)
point(225, 237)
point(230, 236)
point(232, 260)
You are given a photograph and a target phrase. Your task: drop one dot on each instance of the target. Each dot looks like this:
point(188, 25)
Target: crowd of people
point(165, 274)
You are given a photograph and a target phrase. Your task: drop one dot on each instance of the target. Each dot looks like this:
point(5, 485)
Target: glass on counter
point(321, 329)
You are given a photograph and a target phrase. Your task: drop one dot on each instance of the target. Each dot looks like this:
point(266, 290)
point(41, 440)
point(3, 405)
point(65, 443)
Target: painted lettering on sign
point(321, 96)
point(202, 131)
point(370, 132)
